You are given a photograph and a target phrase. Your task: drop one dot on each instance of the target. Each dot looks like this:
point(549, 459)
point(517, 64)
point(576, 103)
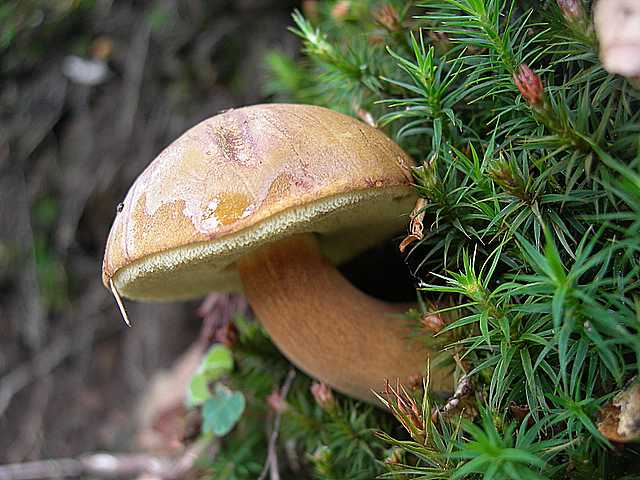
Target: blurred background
point(90, 92)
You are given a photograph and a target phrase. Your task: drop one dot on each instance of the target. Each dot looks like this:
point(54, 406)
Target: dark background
point(71, 143)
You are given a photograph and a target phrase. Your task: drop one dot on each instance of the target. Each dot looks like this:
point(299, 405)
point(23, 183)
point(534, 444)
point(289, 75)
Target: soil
point(90, 92)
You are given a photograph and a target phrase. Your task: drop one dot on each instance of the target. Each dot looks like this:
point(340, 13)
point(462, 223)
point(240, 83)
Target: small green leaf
point(198, 391)
point(217, 362)
point(222, 410)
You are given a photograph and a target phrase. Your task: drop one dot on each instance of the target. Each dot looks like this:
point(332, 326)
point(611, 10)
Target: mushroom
point(266, 199)
point(618, 27)
point(620, 418)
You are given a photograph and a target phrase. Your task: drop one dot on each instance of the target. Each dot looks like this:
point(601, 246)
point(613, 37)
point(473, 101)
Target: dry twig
point(106, 465)
point(416, 226)
point(271, 465)
point(41, 365)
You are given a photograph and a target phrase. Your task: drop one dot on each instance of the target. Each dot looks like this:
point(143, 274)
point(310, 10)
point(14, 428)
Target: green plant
point(332, 437)
point(222, 407)
point(529, 162)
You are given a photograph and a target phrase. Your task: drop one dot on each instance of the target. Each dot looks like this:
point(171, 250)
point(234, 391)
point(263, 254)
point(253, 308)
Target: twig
point(16, 229)
point(463, 390)
point(271, 465)
point(62, 347)
point(106, 465)
point(416, 226)
point(41, 365)
point(133, 76)
point(188, 459)
point(123, 310)
point(31, 428)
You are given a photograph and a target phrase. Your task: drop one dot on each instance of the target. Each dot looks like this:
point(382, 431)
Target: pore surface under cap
point(247, 176)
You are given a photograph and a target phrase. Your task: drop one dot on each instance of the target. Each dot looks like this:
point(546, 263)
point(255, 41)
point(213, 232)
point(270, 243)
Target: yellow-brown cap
point(246, 177)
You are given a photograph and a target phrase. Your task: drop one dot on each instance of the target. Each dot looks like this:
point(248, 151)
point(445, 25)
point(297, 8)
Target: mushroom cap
point(617, 24)
point(246, 177)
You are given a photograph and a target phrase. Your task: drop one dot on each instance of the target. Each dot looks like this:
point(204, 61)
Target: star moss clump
point(528, 154)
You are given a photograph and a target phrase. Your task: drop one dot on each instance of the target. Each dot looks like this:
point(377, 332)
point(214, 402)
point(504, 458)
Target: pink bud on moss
point(388, 17)
point(323, 396)
point(530, 85)
point(341, 9)
point(571, 9)
point(276, 401)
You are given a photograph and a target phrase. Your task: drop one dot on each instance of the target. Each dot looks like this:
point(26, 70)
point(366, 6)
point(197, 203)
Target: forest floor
point(90, 92)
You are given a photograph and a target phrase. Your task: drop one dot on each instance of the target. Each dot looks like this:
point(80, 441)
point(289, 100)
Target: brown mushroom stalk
point(352, 341)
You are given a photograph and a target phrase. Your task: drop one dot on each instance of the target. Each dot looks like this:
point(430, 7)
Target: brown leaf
point(620, 418)
point(416, 226)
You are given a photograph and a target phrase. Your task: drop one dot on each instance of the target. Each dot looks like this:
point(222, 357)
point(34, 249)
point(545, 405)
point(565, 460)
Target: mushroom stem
point(326, 326)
